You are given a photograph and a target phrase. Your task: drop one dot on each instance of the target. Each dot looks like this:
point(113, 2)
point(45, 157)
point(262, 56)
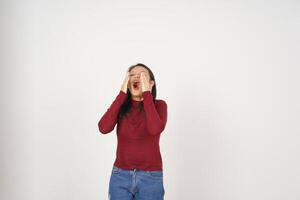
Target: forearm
point(155, 119)
point(108, 121)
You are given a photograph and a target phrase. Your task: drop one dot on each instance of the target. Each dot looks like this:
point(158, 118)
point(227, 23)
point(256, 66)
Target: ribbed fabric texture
point(138, 133)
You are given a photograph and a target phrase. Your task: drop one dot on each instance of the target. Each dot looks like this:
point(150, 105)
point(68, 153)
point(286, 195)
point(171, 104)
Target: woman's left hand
point(145, 83)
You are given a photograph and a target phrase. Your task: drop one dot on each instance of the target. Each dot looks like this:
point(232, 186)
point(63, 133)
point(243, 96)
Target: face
point(134, 80)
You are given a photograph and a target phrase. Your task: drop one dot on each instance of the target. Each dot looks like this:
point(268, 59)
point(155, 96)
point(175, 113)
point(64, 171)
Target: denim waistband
point(134, 169)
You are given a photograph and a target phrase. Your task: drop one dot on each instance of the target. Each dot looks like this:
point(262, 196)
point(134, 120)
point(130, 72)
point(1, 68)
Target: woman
point(137, 172)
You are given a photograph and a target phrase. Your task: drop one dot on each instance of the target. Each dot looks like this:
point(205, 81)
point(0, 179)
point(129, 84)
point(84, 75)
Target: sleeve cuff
point(122, 95)
point(121, 92)
point(147, 96)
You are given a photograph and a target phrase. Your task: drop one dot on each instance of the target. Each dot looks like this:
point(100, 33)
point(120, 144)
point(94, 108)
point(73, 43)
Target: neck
point(137, 98)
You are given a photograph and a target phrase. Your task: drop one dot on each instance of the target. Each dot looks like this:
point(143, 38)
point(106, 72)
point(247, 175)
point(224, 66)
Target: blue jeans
point(136, 184)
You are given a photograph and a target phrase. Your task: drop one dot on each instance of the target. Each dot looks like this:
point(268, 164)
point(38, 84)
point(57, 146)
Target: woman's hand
point(145, 83)
point(124, 86)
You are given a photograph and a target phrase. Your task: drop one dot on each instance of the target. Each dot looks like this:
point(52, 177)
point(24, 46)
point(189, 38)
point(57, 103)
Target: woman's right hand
point(124, 86)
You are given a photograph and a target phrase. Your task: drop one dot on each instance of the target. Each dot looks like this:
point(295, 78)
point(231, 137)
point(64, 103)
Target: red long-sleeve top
point(138, 133)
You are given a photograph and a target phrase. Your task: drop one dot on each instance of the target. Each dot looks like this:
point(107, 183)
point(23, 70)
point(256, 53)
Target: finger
point(128, 76)
point(143, 75)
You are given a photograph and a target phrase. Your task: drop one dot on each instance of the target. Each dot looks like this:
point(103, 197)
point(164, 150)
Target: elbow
point(103, 129)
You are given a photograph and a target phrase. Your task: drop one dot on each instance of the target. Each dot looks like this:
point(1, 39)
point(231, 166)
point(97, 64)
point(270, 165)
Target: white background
point(228, 70)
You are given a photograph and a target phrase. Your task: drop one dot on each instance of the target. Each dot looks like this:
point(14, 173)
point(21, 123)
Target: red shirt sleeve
point(156, 115)
point(109, 119)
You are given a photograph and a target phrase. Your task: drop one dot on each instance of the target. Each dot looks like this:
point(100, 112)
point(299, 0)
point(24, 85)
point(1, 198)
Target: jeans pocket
point(115, 170)
point(155, 174)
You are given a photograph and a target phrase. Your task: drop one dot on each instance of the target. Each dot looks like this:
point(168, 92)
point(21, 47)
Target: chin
point(136, 93)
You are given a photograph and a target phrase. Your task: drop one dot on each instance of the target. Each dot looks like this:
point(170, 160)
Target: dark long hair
point(124, 110)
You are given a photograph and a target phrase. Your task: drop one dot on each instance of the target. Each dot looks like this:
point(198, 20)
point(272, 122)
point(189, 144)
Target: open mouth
point(136, 85)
